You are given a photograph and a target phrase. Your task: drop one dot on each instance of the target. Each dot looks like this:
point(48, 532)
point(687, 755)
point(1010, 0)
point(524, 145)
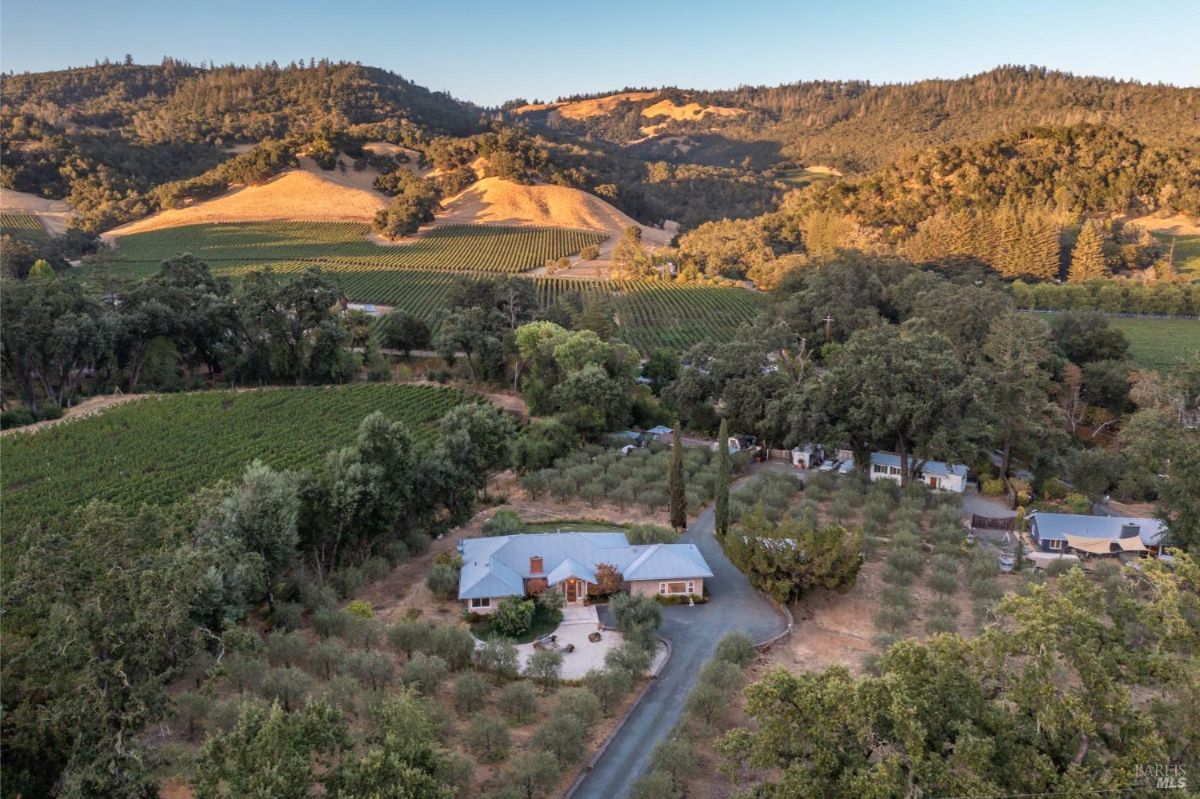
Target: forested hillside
point(105, 137)
point(857, 126)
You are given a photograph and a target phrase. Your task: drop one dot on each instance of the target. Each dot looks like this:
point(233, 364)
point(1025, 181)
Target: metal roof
point(1057, 526)
point(928, 467)
point(498, 566)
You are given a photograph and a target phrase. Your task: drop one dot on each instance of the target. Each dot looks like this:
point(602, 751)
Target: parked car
point(829, 465)
point(847, 466)
point(1007, 562)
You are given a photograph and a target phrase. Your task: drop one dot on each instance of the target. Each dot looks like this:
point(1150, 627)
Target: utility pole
point(828, 320)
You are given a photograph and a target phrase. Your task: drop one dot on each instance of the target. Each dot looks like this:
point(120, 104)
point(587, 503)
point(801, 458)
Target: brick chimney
point(535, 564)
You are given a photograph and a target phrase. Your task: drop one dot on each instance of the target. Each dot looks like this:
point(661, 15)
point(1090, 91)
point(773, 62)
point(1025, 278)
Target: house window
point(668, 589)
point(1055, 543)
point(878, 468)
point(481, 602)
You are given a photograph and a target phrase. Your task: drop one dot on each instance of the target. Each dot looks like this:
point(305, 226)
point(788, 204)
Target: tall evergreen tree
point(1044, 261)
point(678, 495)
point(722, 487)
point(1087, 259)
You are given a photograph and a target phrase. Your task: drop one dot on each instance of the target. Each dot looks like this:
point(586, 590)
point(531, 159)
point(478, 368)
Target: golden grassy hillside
point(309, 193)
point(494, 201)
point(582, 109)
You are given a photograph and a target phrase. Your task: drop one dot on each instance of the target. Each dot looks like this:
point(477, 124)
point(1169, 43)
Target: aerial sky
point(489, 52)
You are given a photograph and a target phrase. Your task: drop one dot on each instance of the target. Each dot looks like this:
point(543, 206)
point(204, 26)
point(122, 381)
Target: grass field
point(159, 450)
point(1187, 254)
point(343, 246)
point(1160, 343)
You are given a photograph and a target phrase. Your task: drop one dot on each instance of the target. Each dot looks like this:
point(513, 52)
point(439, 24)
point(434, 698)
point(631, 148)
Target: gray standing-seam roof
point(498, 566)
point(1057, 526)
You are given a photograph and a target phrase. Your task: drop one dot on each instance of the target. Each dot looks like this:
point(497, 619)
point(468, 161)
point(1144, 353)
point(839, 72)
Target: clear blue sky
point(489, 52)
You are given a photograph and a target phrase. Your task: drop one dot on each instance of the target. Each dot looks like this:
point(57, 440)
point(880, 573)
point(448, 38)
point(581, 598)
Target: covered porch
point(573, 579)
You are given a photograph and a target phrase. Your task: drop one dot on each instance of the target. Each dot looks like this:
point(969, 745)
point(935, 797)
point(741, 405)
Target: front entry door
point(572, 591)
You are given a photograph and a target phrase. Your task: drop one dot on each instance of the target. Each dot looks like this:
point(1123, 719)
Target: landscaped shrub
point(442, 581)
point(653, 785)
point(517, 702)
point(637, 618)
point(287, 616)
point(348, 581)
point(244, 671)
point(724, 676)
point(365, 633)
point(326, 658)
point(286, 649)
point(707, 705)
point(736, 648)
point(579, 702)
point(488, 738)
point(342, 692)
point(454, 645)
point(513, 617)
point(629, 657)
point(610, 686)
point(893, 618)
point(545, 666)
point(360, 609)
point(395, 552)
point(505, 522)
point(499, 656)
point(563, 736)
point(470, 693)
point(410, 636)
point(551, 602)
point(287, 686)
point(373, 670)
point(329, 622)
point(676, 758)
point(375, 568)
point(316, 597)
point(424, 673)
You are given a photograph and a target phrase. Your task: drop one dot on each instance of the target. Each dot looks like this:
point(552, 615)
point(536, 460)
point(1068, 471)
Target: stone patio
point(578, 622)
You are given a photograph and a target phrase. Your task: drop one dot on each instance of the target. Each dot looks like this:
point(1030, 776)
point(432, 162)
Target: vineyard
point(234, 248)
point(159, 450)
point(653, 315)
point(22, 226)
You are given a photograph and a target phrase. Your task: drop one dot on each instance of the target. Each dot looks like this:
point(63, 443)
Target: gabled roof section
point(570, 568)
point(485, 579)
point(667, 562)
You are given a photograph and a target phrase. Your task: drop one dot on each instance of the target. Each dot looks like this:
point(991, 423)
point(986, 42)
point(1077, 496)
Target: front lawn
point(571, 527)
point(544, 622)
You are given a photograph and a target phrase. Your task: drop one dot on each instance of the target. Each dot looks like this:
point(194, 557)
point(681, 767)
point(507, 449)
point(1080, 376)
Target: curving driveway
point(693, 633)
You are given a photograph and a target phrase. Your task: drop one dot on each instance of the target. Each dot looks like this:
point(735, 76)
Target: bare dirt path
point(88, 407)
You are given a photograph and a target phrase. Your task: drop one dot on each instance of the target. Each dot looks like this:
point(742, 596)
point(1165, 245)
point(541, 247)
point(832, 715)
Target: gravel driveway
point(693, 633)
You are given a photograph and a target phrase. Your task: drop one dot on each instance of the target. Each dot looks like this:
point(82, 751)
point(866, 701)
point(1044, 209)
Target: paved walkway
point(693, 633)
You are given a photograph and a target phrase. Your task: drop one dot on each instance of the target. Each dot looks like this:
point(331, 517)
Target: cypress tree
point(1087, 259)
point(678, 495)
point(722, 486)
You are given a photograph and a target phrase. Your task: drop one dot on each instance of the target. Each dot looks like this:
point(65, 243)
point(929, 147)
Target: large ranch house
point(527, 564)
